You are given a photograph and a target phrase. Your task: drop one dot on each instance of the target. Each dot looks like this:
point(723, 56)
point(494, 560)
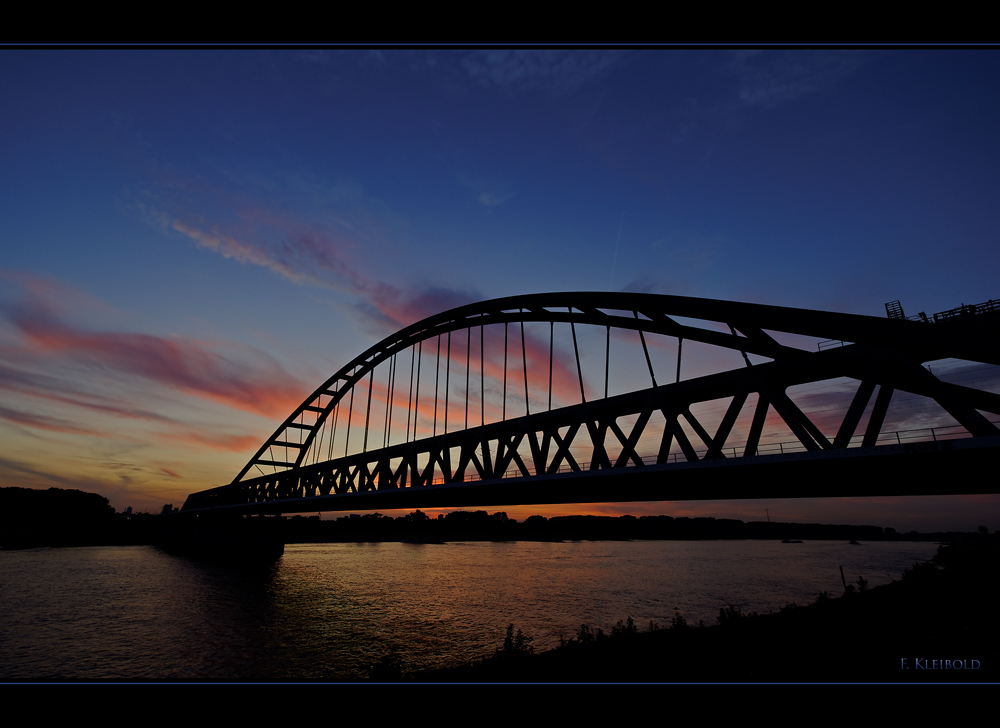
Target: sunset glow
point(194, 241)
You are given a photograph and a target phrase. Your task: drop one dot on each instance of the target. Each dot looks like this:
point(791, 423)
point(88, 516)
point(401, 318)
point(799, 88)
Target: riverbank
point(936, 624)
point(55, 517)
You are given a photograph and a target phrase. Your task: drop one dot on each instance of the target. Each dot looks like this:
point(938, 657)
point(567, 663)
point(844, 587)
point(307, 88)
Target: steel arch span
point(582, 452)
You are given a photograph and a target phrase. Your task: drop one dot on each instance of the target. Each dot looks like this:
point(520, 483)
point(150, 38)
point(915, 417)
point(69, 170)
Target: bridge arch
point(879, 353)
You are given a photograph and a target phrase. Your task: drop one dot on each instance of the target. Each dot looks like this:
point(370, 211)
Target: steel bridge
point(669, 437)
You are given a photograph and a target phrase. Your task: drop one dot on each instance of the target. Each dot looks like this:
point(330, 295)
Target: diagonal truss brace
point(549, 442)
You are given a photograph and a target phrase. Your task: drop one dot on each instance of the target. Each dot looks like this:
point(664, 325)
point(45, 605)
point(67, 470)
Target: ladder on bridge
point(894, 310)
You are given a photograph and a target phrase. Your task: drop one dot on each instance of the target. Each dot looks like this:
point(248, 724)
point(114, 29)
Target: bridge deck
point(911, 469)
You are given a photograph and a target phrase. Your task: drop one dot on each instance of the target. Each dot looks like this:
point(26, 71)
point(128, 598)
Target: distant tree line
point(54, 508)
point(60, 511)
point(480, 525)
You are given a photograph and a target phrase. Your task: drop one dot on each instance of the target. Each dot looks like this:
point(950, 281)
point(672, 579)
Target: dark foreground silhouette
point(32, 518)
point(937, 624)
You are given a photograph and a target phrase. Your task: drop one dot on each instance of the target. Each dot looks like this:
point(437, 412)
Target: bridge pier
point(221, 534)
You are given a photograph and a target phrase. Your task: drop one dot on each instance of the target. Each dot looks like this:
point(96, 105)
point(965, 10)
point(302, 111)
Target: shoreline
point(936, 624)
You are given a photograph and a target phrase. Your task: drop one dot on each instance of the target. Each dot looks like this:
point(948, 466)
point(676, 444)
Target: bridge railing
point(898, 437)
point(964, 310)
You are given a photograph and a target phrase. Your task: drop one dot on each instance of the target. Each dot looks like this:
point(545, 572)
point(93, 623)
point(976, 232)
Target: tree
point(515, 645)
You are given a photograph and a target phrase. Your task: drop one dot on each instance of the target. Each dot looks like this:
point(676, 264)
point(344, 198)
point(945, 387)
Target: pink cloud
point(42, 422)
point(229, 247)
point(316, 257)
point(111, 409)
point(190, 367)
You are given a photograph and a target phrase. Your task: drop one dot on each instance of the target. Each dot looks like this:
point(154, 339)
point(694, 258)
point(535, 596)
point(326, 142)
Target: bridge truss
point(580, 452)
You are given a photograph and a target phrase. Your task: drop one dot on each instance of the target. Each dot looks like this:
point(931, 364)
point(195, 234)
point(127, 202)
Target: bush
point(730, 614)
point(678, 621)
point(624, 629)
point(919, 572)
point(515, 645)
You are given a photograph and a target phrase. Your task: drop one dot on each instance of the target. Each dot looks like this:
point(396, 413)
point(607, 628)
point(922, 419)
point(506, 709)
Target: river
point(331, 611)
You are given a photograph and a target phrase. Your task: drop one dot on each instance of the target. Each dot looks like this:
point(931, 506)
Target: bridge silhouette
point(741, 432)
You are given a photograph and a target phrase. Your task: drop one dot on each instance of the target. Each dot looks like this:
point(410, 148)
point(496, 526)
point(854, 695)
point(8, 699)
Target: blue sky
point(194, 240)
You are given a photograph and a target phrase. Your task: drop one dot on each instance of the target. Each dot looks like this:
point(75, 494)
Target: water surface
point(330, 611)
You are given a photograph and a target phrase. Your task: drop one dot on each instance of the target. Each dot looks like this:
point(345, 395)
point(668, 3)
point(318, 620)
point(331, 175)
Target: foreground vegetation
point(936, 624)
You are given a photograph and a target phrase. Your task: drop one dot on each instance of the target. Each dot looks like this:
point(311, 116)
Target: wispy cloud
point(758, 80)
point(553, 71)
point(55, 389)
point(36, 477)
point(770, 78)
point(271, 221)
point(214, 440)
point(195, 368)
point(314, 257)
point(492, 199)
point(229, 247)
point(44, 422)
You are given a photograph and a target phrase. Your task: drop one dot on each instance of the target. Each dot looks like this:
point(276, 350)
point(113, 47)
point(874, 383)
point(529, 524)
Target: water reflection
point(331, 611)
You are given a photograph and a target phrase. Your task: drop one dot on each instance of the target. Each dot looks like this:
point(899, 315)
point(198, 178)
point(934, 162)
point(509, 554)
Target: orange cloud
point(216, 441)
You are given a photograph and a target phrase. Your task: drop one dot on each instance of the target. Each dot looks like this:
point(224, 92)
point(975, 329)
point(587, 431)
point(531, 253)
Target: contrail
point(615, 262)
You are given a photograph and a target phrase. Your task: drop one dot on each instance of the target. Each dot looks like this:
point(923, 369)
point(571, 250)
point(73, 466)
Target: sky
point(191, 241)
